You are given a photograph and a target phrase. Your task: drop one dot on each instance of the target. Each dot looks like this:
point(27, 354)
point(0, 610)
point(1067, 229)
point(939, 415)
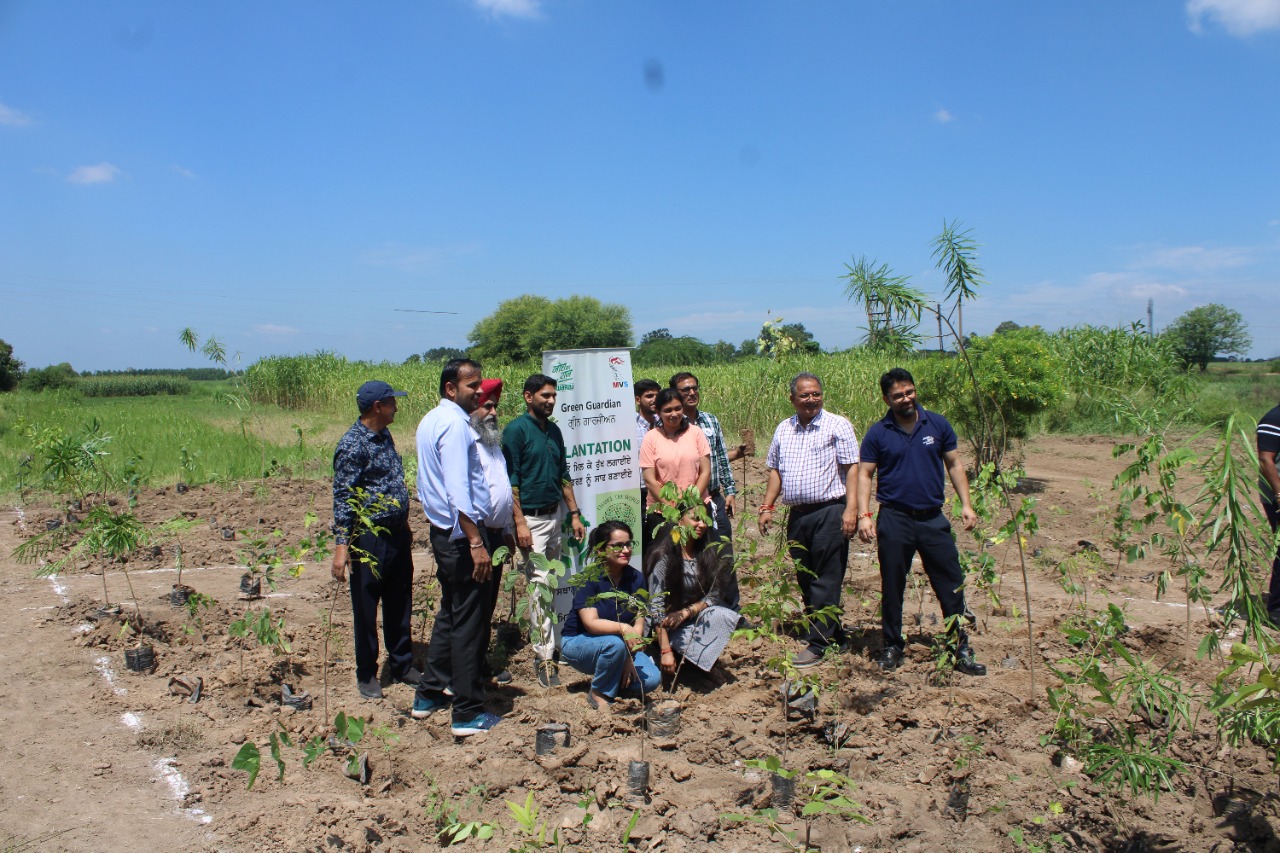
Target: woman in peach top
point(674, 452)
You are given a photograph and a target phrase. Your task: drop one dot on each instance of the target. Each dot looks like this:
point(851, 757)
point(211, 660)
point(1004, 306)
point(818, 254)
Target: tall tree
point(1207, 331)
point(10, 368)
point(521, 328)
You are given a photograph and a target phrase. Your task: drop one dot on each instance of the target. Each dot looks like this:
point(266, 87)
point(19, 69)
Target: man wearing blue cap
point(366, 459)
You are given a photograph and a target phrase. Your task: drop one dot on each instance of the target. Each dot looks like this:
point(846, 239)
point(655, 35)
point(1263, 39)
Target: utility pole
point(938, 311)
point(1151, 323)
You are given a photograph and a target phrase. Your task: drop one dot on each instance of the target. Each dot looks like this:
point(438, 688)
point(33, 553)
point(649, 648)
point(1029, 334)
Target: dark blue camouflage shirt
point(367, 460)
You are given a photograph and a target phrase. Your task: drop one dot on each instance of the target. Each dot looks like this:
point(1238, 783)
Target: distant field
point(197, 436)
point(151, 434)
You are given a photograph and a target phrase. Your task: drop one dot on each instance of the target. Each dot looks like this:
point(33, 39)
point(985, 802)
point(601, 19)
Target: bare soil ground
point(99, 757)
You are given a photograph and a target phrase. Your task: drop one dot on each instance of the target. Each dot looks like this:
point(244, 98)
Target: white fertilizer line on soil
point(1173, 604)
point(104, 666)
point(165, 767)
point(58, 589)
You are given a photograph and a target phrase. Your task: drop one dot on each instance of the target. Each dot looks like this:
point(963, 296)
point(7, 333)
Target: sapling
point(817, 793)
point(102, 533)
point(1114, 711)
point(174, 528)
point(542, 593)
point(238, 397)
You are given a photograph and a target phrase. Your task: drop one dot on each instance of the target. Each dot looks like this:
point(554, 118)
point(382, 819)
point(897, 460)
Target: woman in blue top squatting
point(602, 636)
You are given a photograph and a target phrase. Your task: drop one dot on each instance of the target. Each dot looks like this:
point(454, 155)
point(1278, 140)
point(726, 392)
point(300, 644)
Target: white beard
point(487, 427)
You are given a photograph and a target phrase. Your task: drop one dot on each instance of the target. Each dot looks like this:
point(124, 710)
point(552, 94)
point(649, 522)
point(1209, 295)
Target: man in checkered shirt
point(1269, 484)
point(813, 466)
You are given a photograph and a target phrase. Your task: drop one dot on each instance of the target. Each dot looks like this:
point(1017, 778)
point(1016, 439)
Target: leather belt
point(914, 513)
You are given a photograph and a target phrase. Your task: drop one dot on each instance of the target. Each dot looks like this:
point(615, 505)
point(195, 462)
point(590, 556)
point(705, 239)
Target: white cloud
point(9, 117)
point(1195, 259)
point(274, 330)
point(183, 171)
point(943, 116)
point(103, 173)
point(511, 8)
point(415, 259)
point(1240, 18)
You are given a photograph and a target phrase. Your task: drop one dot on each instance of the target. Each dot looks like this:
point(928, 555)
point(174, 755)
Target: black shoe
point(889, 659)
point(503, 677)
point(412, 676)
point(371, 689)
point(965, 662)
point(548, 673)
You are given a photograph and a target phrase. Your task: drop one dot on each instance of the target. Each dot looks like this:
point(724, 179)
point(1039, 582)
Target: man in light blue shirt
point(455, 498)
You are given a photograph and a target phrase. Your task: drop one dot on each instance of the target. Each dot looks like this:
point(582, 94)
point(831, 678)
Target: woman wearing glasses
point(686, 582)
point(604, 632)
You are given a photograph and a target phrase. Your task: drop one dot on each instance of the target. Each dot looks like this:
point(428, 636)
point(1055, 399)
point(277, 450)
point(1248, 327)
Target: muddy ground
point(99, 757)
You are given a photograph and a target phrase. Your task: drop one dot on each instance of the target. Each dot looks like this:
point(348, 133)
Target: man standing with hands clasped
point(542, 489)
point(906, 451)
point(812, 461)
point(382, 568)
point(455, 498)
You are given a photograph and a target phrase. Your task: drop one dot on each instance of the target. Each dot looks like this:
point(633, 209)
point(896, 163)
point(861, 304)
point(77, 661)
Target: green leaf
point(276, 756)
point(248, 759)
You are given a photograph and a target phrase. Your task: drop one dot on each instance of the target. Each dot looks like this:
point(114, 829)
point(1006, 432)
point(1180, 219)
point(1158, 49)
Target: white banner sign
point(595, 410)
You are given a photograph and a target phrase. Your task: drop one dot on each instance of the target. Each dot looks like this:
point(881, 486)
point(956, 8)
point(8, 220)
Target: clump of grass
point(176, 737)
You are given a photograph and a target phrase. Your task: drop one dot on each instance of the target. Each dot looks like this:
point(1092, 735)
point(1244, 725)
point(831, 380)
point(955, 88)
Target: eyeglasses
point(688, 389)
point(617, 547)
point(811, 395)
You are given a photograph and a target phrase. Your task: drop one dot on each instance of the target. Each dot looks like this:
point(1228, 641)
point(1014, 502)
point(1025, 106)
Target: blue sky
point(288, 175)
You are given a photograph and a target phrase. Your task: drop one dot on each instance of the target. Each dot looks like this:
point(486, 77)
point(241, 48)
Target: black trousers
point(824, 551)
point(391, 552)
point(1273, 597)
point(460, 635)
point(724, 534)
point(900, 537)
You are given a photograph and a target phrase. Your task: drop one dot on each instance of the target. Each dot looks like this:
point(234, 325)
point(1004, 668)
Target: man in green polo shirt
point(542, 491)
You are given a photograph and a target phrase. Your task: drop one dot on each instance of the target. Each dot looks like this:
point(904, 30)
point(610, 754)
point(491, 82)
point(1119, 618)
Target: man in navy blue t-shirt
point(906, 452)
point(1269, 485)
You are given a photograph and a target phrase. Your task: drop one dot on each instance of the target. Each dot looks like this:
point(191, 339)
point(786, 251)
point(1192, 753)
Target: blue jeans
point(603, 658)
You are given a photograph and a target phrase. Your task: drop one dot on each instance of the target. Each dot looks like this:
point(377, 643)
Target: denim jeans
point(603, 658)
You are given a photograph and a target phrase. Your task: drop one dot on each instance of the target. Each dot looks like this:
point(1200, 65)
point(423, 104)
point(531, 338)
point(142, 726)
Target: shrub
point(45, 378)
point(1021, 378)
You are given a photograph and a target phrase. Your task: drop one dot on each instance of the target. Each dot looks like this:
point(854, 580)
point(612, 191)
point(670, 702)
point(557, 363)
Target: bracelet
point(866, 515)
point(478, 545)
point(767, 508)
point(666, 651)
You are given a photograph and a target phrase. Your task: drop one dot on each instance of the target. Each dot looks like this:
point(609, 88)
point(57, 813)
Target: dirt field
point(103, 758)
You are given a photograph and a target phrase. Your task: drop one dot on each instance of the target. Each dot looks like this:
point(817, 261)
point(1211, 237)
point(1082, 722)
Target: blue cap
point(373, 391)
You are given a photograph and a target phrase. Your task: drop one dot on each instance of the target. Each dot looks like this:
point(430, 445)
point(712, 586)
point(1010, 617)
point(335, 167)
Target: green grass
point(747, 393)
point(157, 429)
point(317, 395)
